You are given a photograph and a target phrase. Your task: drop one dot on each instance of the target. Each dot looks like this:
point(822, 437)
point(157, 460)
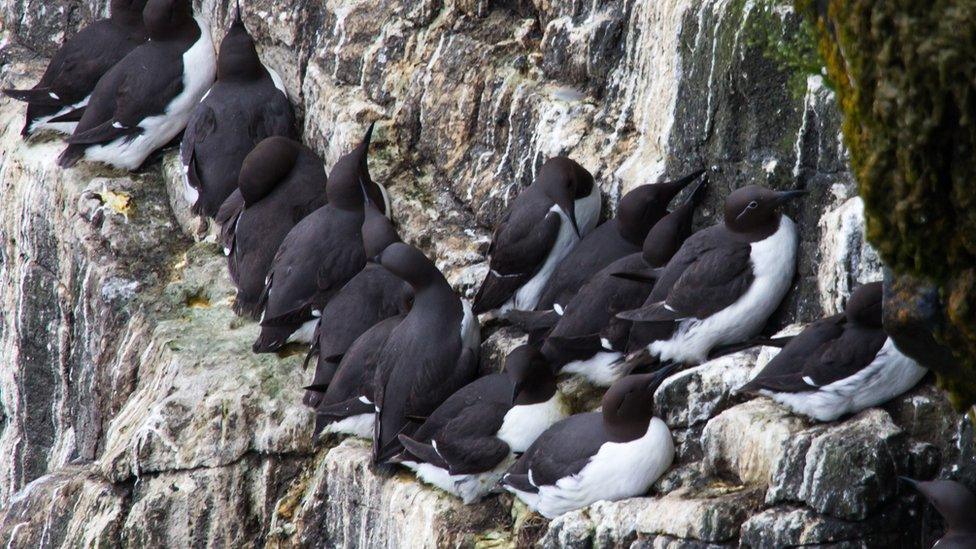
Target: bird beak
point(517, 390)
point(570, 210)
point(660, 375)
point(783, 197)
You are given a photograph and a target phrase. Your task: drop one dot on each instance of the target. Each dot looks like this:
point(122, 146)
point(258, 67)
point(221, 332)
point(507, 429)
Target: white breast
point(199, 70)
point(617, 471)
point(773, 265)
point(587, 210)
point(470, 329)
point(523, 424)
point(527, 297)
point(890, 374)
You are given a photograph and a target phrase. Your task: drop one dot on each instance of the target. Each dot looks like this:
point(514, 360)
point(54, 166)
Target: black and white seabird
point(471, 439)
point(374, 294)
point(59, 98)
point(246, 104)
point(610, 455)
point(146, 99)
point(428, 357)
point(957, 505)
point(839, 365)
point(281, 182)
point(638, 211)
point(723, 283)
point(588, 339)
point(346, 405)
point(319, 255)
point(543, 224)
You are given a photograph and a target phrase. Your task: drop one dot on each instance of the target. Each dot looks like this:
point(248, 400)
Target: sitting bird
point(839, 365)
point(146, 99)
point(537, 232)
point(59, 99)
point(246, 104)
point(609, 455)
point(471, 439)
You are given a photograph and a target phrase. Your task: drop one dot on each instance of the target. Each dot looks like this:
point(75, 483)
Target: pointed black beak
point(238, 16)
point(568, 207)
point(660, 375)
point(783, 197)
point(517, 389)
point(676, 186)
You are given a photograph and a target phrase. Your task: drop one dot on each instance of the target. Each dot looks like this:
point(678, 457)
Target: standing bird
point(59, 99)
point(610, 455)
point(281, 182)
point(373, 295)
point(537, 232)
point(469, 441)
point(246, 104)
point(839, 365)
point(638, 211)
point(722, 285)
point(428, 357)
point(344, 402)
point(146, 99)
point(320, 254)
point(588, 339)
point(957, 505)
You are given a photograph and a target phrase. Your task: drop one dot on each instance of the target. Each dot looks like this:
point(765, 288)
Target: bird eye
point(752, 205)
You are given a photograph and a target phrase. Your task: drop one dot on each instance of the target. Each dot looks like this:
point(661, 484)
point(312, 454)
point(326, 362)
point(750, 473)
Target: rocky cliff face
point(133, 414)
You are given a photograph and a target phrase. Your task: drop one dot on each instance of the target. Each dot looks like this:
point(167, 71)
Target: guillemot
point(281, 182)
point(471, 439)
point(145, 100)
point(540, 228)
point(839, 365)
point(723, 283)
point(319, 255)
point(957, 505)
point(609, 455)
point(58, 100)
point(588, 339)
point(373, 295)
point(431, 354)
point(638, 211)
point(246, 104)
point(344, 401)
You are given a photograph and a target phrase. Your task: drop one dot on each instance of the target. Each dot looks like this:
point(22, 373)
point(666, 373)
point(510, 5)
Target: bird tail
point(71, 155)
point(494, 292)
point(272, 339)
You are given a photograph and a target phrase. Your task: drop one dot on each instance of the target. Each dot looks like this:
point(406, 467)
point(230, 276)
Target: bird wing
point(519, 248)
point(563, 450)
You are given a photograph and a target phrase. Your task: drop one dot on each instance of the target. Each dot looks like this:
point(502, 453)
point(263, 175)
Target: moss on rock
point(903, 71)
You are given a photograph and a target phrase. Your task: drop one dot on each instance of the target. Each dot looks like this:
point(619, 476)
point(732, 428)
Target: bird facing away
point(839, 365)
point(58, 100)
point(373, 295)
point(536, 233)
point(246, 104)
point(723, 283)
point(957, 505)
point(471, 439)
point(609, 455)
point(145, 100)
point(638, 211)
point(429, 356)
point(319, 255)
point(281, 182)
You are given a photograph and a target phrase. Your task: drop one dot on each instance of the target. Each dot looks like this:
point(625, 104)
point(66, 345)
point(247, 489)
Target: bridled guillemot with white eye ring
point(723, 284)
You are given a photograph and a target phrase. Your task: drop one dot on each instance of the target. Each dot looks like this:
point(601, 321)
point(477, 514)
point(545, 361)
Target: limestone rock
point(747, 442)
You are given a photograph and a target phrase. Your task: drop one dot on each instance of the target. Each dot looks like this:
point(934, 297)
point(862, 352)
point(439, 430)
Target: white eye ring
point(752, 205)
